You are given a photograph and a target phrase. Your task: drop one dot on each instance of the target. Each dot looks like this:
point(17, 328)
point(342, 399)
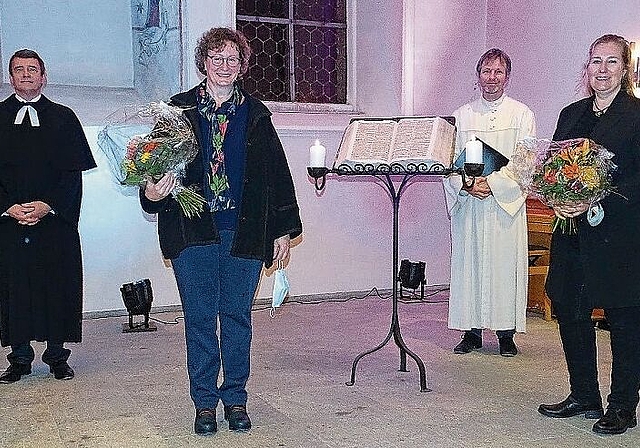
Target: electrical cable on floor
point(415, 298)
point(412, 298)
point(174, 322)
point(372, 291)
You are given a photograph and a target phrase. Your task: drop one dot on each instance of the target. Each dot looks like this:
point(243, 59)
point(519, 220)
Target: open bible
point(402, 140)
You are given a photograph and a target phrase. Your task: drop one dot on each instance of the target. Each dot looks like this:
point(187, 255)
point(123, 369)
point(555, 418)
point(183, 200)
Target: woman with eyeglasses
point(217, 257)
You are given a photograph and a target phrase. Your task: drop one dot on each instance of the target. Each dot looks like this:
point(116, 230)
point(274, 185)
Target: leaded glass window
point(299, 49)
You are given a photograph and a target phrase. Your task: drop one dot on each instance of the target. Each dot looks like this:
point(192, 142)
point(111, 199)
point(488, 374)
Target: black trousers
point(53, 354)
point(578, 337)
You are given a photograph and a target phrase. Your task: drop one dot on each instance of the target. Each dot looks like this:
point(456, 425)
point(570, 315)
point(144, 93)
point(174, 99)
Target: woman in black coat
point(599, 266)
point(252, 214)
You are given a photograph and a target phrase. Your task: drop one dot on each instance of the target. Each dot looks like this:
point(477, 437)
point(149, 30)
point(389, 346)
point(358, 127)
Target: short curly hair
point(215, 39)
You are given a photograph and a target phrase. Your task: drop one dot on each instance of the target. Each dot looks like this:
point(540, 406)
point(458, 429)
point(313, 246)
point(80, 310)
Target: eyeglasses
point(217, 60)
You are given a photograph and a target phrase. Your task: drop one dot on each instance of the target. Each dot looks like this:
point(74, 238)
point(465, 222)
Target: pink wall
point(449, 39)
point(549, 44)
point(378, 56)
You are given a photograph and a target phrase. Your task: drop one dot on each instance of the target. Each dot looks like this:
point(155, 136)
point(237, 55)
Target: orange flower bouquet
point(145, 143)
point(564, 172)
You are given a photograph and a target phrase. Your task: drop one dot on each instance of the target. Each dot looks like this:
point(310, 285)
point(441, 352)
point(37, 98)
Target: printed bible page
point(424, 140)
point(366, 141)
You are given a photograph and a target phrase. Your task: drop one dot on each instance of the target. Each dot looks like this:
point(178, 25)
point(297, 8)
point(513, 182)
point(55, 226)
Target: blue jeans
point(215, 286)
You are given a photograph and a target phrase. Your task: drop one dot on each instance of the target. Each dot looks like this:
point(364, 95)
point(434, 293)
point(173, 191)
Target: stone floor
point(131, 390)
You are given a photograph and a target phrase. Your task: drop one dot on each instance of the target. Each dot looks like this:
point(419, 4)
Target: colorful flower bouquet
point(576, 171)
point(144, 143)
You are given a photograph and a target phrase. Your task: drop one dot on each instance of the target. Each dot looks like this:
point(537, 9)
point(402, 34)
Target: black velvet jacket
point(268, 208)
point(609, 253)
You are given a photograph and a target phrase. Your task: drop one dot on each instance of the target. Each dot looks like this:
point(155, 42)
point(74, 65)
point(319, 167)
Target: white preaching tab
point(33, 115)
point(473, 151)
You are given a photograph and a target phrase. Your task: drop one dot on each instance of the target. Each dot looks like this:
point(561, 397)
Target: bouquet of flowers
point(564, 172)
point(144, 143)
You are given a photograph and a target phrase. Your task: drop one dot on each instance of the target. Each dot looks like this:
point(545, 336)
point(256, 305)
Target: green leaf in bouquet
point(219, 184)
point(191, 202)
point(567, 226)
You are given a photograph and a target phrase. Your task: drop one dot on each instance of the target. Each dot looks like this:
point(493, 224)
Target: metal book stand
point(395, 178)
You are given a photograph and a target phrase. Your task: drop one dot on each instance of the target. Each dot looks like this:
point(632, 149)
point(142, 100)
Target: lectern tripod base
point(394, 330)
point(404, 351)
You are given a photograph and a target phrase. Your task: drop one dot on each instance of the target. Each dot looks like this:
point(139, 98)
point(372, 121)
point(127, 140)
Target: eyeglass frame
point(223, 60)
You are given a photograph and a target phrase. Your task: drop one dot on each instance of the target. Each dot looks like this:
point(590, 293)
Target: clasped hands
point(29, 213)
point(564, 211)
point(479, 189)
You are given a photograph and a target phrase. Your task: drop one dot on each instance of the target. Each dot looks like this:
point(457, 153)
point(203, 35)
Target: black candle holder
point(319, 175)
point(471, 170)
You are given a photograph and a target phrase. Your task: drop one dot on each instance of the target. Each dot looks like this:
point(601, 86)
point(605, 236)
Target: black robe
point(41, 265)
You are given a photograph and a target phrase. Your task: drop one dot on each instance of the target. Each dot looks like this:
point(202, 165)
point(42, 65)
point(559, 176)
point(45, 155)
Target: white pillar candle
point(473, 151)
point(317, 154)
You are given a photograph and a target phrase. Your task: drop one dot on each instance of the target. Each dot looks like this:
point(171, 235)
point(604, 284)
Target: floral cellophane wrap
point(576, 171)
point(142, 143)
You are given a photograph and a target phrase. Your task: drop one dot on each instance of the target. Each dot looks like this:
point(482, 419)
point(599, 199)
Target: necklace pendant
point(597, 111)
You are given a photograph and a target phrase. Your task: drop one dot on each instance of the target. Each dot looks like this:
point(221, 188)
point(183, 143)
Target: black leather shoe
point(507, 347)
point(238, 417)
point(62, 371)
point(14, 373)
point(469, 343)
point(570, 408)
point(615, 421)
point(205, 421)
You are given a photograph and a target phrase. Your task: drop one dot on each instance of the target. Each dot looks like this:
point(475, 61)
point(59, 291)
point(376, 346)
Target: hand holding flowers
point(569, 175)
point(161, 189)
point(147, 144)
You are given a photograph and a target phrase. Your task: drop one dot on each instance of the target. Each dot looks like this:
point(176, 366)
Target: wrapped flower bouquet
point(144, 143)
point(567, 172)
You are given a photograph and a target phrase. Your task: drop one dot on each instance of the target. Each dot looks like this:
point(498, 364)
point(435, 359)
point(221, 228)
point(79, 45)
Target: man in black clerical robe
point(43, 151)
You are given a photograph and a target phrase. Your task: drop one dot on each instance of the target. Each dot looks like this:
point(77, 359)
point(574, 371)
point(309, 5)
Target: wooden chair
point(539, 218)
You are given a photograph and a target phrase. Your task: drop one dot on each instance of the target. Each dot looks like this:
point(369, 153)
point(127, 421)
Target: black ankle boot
point(238, 417)
point(470, 341)
point(14, 373)
point(205, 421)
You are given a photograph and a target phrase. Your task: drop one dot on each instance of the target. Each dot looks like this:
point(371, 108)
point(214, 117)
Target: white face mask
point(280, 287)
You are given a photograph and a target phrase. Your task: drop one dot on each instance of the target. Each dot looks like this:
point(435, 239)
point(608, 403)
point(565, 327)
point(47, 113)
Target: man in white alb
point(489, 262)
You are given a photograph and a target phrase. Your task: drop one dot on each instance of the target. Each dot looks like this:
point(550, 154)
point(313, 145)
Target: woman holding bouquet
point(252, 214)
point(598, 266)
